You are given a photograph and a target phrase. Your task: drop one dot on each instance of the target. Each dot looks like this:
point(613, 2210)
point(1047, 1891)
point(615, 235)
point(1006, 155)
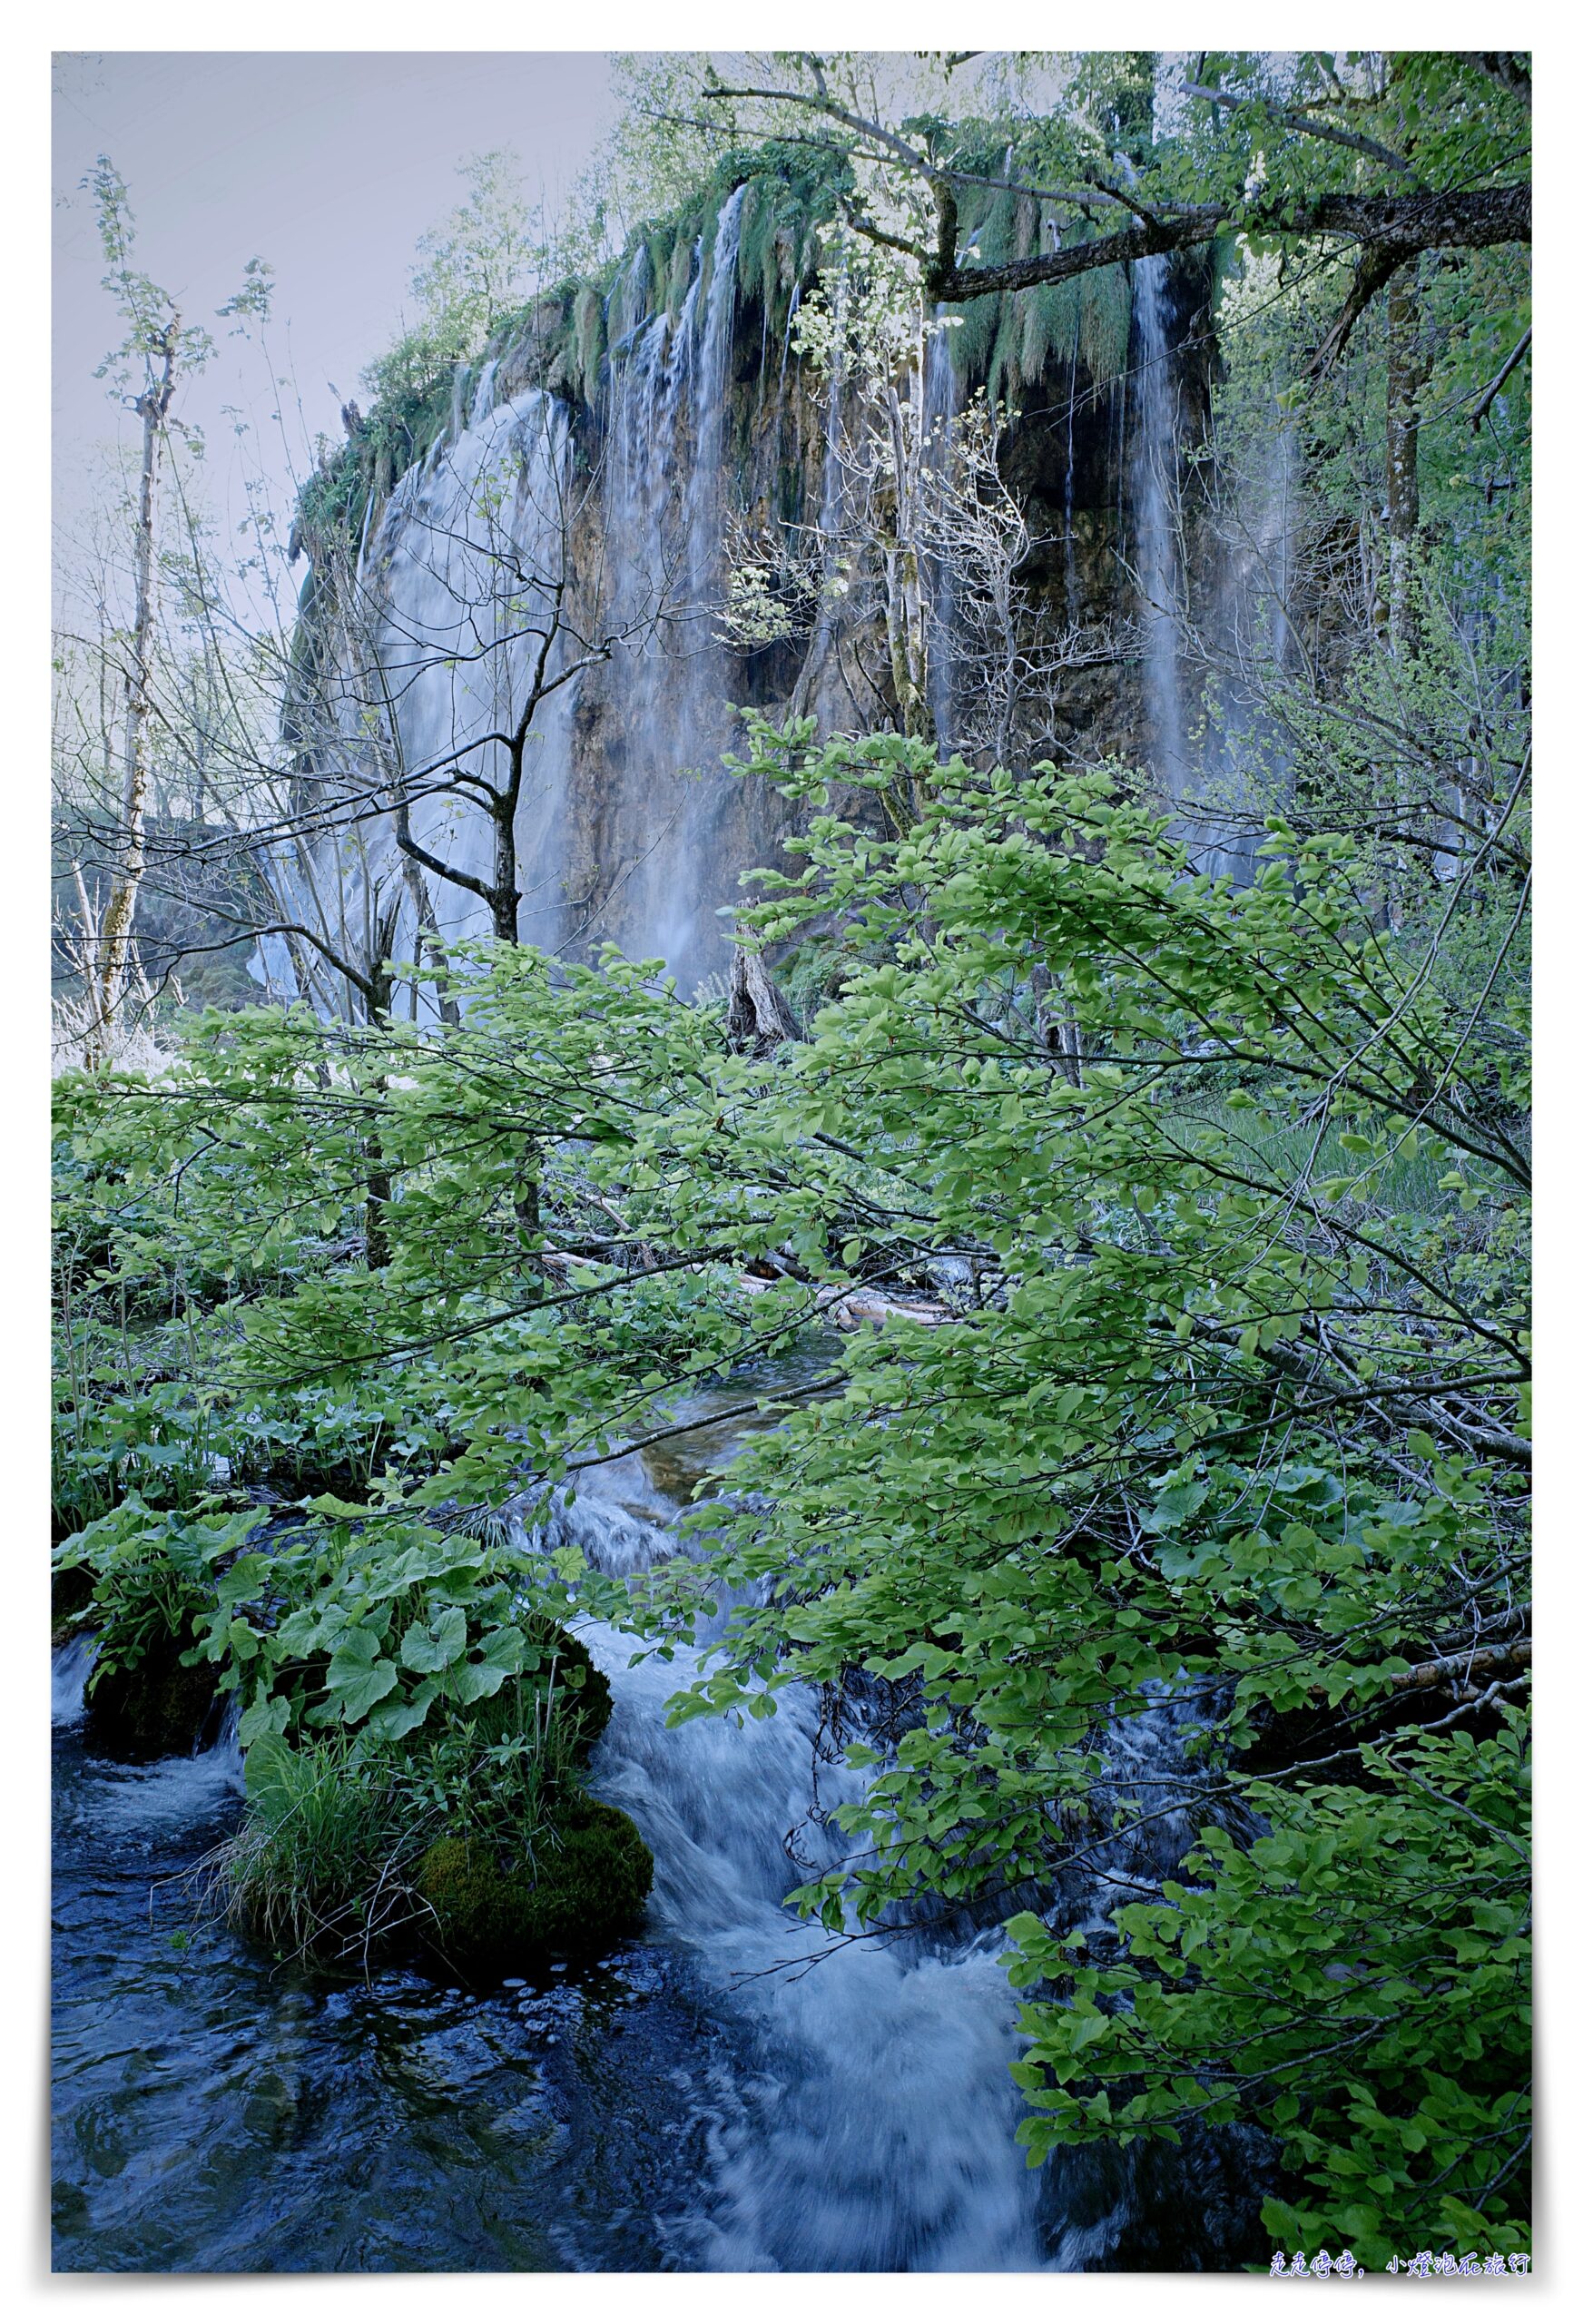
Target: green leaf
point(436, 1646)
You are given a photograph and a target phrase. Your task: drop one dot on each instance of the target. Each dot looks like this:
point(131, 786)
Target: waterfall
point(1074, 596)
point(1218, 786)
point(463, 569)
point(1245, 759)
point(665, 506)
point(1154, 496)
point(433, 651)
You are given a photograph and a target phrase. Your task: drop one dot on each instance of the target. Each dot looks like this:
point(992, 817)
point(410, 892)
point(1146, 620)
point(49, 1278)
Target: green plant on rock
point(154, 1580)
point(337, 1855)
point(320, 1868)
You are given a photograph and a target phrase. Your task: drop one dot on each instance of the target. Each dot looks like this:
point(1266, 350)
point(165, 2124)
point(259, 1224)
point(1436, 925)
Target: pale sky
point(328, 166)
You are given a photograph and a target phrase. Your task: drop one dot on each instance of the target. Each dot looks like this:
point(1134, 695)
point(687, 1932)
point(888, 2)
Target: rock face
point(613, 463)
point(583, 1895)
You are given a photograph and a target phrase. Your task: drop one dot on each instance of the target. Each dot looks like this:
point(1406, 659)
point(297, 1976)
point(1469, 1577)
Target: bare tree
point(154, 358)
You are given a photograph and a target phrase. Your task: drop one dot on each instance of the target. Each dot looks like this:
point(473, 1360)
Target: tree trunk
point(426, 939)
point(529, 1223)
point(114, 949)
point(377, 998)
point(907, 615)
point(758, 1016)
point(503, 896)
point(1058, 1026)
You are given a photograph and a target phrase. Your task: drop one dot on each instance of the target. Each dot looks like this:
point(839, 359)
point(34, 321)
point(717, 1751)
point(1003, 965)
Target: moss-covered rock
point(155, 1709)
point(585, 1893)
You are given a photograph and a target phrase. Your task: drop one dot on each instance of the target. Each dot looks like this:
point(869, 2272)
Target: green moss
point(972, 344)
point(1105, 322)
point(1049, 327)
point(791, 194)
point(679, 272)
point(583, 1895)
point(1005, 371)
point(1008, 340)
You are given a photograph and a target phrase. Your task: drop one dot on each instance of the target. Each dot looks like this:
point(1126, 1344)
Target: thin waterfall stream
point(1153, 465)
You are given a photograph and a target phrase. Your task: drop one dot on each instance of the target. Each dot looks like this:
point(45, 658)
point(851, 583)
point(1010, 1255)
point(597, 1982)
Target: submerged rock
point(585, 1892)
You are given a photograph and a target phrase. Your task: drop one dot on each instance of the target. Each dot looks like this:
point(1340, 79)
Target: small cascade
point(157, 1794)
point(877, 2129)
point(70, 1668)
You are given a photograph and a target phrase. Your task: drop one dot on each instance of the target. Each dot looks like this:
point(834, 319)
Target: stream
point(724, 2093)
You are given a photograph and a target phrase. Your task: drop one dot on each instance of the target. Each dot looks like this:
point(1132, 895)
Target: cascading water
point(436, 650)
point(465, 568)
point(1219, 784)
point(1153, 500)
point(663, 525)
point(875, 2127)
point(732, 2091)
point(1245, 756)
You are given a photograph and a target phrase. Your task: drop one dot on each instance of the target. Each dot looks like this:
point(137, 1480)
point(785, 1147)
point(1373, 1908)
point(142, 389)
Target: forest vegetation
point(1173, 1199)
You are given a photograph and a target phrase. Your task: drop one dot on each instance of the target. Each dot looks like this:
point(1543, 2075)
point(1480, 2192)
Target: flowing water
point(664, 516)
point(1154, 495)
point(1224, 776)
point(724, 2093)
point(728, 2092)
point(465, 567)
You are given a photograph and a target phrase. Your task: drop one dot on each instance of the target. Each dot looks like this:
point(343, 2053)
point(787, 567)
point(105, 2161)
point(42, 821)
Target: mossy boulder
point(155, 1710)
point(584, 1893)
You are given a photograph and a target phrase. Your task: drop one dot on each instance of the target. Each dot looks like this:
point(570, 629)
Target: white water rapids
point(771, 2099)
